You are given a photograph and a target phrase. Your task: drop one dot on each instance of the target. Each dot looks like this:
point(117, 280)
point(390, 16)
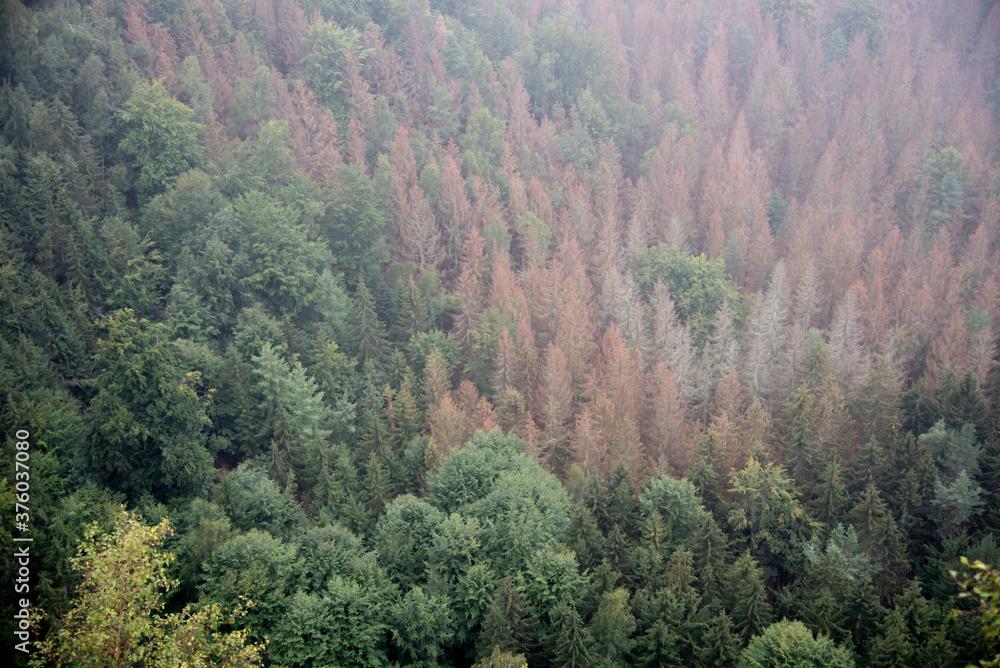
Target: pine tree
point(588, 446)
point(767, 511)
point(893, 646)
point(709, 547)
point(621, 555)
point(815, 364)
point(666, 442)
point(876, 528)
point(618, 373)
point(846, 352)
point(445, 423)
point(704, 472)
point(920, 407)
point(654, 533)
point(829, 494)
point(955, 504)
point(831, 423)
point(583, 536)
point(868, 466)
point(576, 336)
point(622, 509)
point(419, 231)
point(314, 135)
point(727, 422)
point(798, 444)
point(960, 400)
point(722, 350)
point(748, 598)
point(876, 402)
point(512, 413)
point(405, 415)
point(366, 331)
point(454, 208)
point(295, 416)
point(404, 175)
point(349, 506)
point(233, 412)
point(503, 367)
point(720, 646)
point(285, 455)
point(662, 643)
point(765, 357)
point(714, 91)
point(573, 641)
point(612, 627)
point(377, 484)
point(755, 435)
point(414, 311)
point(501, 659)
point(436, 381)
point(680, 571)
point(509, 622)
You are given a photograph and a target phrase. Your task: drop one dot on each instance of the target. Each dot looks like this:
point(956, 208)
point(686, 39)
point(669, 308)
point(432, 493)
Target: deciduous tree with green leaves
point(162, 137)
point(982, 587)
point(788, 644)
point(697, 285)
point(147, 424)
point(117, 621)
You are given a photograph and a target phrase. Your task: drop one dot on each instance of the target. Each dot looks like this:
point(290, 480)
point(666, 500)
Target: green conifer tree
point(868, 466)
point(720, 646)
point(706, 473)
point(622, 509)
point(509, 623)
point(798, 442)
point(829, 494)
point(612, 627)
point(572, 640)
point(709, 546)
point(893, 646)
point(366, 332)
point(748, 598)
point(584, 537)
point(377, 484)
point(375, 437)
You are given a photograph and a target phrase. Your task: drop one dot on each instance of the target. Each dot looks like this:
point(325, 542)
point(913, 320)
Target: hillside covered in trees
point(590, 333)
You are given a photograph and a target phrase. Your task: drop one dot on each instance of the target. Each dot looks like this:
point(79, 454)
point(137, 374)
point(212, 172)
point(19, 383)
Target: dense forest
point(588, 333)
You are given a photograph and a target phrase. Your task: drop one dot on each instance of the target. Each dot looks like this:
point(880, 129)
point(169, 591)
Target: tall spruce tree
point(622, 509)
point(572, 642)
point(366, 331)
point(509, 623)
point(720, 645)
point(748, 598)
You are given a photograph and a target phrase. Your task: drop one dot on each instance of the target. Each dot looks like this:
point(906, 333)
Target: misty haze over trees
point(591, 333)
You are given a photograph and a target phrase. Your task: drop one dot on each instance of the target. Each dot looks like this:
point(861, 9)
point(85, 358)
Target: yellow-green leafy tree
point(162, 137)
point(116, 620)
point(982, 587)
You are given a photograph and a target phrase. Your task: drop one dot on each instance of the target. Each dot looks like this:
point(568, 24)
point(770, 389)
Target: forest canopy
point(424, 332)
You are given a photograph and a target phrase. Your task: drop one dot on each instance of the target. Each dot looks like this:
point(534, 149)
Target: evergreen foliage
point(525, 333)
